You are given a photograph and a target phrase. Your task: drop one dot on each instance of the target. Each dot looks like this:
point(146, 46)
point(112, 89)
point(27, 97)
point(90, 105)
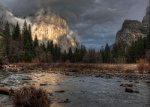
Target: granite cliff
point(46, 25)
point(132, 30)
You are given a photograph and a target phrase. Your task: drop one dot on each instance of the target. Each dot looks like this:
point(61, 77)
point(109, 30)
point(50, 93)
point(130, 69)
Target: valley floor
point(81, 68)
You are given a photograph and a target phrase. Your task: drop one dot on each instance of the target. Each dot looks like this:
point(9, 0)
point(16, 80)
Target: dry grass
point(30, 97)
point(76, 67)
point(143, 66)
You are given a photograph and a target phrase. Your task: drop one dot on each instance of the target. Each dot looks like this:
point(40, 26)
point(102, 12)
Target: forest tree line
point(18, 46)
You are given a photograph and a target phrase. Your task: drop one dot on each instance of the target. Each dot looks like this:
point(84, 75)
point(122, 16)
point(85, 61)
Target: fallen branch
point(6, 91)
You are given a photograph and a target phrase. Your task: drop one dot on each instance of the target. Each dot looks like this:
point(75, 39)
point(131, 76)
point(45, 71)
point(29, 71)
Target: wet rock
point(129, 90)
point(126, 85)
point(136, 81)
point(67, 74)
point(1, 85)
point(27, 78)
point(60, 91)
point(99, 76)
point(81, 80)
point(65, 101)
point(136, 92)
point(147, 81)
point(43, 84)
point(74, 70)
point(50, 94)
point(108, 76)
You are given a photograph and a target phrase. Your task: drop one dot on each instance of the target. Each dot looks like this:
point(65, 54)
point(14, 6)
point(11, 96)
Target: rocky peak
point(146, 19)
point(131, 30)
point(46, 25)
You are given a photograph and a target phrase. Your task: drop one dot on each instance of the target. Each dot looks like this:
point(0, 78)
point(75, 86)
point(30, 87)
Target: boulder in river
point(126, 85)
point(130, 90)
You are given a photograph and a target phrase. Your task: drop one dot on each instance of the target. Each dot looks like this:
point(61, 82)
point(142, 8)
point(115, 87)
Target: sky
point(96, 21)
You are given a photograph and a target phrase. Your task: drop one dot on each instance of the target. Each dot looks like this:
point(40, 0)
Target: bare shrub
point(129, 71)
point(143, 66)
point(30, 97)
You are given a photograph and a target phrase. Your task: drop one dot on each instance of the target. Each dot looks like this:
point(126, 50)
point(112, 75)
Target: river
point(79, 90)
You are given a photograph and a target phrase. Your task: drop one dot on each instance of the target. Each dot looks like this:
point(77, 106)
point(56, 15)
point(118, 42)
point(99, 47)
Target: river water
point(80, 90)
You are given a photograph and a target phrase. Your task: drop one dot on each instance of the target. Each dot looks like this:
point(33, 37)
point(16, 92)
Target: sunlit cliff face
point(48, 26)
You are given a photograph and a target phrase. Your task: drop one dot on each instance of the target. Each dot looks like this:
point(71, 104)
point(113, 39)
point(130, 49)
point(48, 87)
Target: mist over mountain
point(46, 25)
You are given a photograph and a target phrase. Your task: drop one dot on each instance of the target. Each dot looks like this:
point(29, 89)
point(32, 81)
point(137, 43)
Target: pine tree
point(136, 50)
point(49, 46)
point(27, 54)
point(30, 37)
point(56, 53)
point(7, 39)
point(16, 33)
point(107, 54)
point(70, 55)
point(118, 53)
point(27, 43)
point(24, 34)
point(35, 42)
point(148, 41)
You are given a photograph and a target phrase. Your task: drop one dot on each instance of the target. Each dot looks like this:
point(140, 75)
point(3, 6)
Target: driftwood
point(6, 91)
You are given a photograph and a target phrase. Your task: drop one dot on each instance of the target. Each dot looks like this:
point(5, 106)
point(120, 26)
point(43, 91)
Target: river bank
point(126, 71)
point(73, 67)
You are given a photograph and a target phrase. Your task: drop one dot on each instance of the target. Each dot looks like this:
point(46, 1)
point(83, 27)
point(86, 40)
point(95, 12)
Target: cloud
point(96, 21)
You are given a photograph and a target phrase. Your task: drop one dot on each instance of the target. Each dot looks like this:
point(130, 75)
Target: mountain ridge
point(46, 25)
point(132, 30)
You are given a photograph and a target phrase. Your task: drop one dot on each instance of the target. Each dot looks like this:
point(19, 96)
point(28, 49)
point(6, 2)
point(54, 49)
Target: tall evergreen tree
point(24, 34)
point(35, 42)
point(16, 33)
point(107, 54)
point(7, 38)
point(118, 53)
point(30, 36)
point(70, 55)
point(136, 51)
point(148, 41)
point(27, 42)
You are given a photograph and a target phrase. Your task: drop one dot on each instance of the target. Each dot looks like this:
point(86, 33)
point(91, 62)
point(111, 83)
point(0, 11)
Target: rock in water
point(129, 90)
